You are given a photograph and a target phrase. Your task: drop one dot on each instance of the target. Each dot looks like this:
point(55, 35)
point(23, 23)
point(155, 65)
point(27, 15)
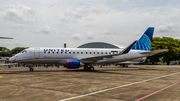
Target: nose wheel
point(31, 69)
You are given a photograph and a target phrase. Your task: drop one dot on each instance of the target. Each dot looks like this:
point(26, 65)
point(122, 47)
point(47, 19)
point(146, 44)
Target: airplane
point(5, 38)
point(74, 58)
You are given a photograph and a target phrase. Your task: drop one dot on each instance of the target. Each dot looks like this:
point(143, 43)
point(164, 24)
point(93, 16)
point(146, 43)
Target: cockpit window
point(24, 51)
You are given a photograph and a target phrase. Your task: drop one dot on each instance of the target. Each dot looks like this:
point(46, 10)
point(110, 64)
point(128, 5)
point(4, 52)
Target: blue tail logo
point(144, 43)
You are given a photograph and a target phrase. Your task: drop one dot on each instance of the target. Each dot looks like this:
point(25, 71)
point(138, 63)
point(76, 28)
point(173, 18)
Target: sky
point(51, 23)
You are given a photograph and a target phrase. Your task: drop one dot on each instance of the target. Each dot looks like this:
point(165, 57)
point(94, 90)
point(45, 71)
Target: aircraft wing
point(150, 53)
point(94, 59)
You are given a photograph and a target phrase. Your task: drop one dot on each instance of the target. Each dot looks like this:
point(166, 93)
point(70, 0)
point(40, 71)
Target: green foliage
point(6, 52)
point(166, 43)
point(3, 49)
point(17, 50)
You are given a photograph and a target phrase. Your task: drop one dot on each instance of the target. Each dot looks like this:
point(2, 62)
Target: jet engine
point(72, 64)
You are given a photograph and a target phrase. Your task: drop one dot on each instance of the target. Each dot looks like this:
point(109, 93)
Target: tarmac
point(110, 83)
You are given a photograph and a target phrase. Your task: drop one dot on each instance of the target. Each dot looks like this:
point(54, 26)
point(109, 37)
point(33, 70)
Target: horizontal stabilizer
point(154, 52)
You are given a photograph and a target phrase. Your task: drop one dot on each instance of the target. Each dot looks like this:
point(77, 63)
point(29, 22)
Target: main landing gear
point(90, 68)
point(125, 65)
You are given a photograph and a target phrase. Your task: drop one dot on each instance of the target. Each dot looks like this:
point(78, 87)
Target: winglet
point(127, 49)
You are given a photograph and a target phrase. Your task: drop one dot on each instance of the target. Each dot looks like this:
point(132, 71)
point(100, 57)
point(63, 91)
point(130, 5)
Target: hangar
point(99, 45)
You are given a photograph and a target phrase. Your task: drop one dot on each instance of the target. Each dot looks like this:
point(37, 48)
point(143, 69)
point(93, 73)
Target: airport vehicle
point(77, 57)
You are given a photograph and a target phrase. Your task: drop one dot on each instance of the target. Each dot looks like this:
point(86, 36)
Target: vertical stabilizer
point(144, 43)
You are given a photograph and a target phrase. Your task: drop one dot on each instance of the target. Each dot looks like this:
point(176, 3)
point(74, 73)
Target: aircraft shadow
point(108, 71)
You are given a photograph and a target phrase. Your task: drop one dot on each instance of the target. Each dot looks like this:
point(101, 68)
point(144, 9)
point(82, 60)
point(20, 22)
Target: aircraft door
point(36, 53)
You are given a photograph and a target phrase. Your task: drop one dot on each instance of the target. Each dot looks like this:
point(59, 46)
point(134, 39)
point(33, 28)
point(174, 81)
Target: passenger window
point(48, 52)
point(94, 53)
point(77, 52)
point(89, 52)
point(81, 52)
point(73, 52)
point(53, 52)
point(101, 52)
point(69, 52)
point(97, 52)
point(61, 52)
point(57, 52)
point(65, 52)
point(44, 52)
point(106, 53)
point(86, 52)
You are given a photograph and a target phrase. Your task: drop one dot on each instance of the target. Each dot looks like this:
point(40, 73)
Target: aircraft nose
point(12, 59)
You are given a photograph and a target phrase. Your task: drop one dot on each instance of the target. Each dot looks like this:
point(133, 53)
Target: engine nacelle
point(71, 64)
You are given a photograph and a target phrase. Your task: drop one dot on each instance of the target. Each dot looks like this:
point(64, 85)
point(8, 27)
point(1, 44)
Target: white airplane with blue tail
point(86, 57)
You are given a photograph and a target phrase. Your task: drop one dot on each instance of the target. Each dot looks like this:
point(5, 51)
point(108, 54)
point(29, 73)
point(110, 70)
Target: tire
point(85, 67)
point(91, 68)
point(31, 70)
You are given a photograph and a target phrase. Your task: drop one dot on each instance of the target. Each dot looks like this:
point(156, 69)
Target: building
point(99, 45)
point(4, 60)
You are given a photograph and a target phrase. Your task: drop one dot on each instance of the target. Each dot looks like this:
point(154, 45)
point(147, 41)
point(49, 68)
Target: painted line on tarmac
point(0, 76)
point(117, 87)
point(157, 91)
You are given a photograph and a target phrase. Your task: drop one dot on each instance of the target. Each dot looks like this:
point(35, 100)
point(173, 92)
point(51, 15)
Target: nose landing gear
point(31, 69)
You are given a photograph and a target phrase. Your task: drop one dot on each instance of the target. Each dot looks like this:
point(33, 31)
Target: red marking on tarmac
point(157, 91)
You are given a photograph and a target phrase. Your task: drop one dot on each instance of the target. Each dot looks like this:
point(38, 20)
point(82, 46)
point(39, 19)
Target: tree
point(6, 52)
point(166, 43)
point(17, 50)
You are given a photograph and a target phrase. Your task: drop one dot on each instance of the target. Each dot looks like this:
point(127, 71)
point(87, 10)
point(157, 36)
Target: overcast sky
point(51, 23)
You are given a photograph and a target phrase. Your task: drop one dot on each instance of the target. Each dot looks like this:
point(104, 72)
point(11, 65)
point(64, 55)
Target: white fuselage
point(61, 55)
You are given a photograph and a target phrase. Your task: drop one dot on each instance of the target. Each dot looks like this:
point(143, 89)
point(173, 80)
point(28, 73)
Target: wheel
point(31, 69)
point(85, 67)
point(91, 68)
point(125, 65)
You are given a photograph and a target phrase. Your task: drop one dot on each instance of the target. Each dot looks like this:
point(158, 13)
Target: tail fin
point(144, 43)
